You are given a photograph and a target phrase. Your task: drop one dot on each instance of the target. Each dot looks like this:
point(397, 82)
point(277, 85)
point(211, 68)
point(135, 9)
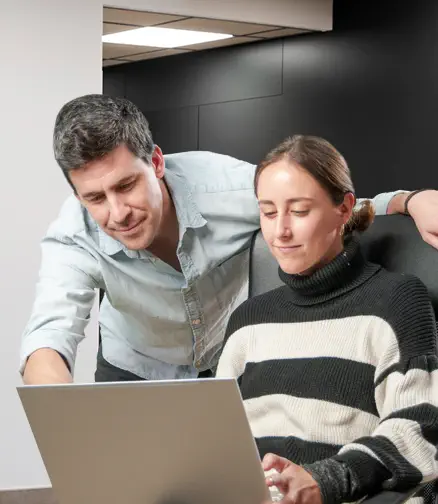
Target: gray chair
point(393, 242)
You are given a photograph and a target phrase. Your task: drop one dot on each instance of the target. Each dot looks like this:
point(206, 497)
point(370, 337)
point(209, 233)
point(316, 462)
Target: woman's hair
point(328, 167)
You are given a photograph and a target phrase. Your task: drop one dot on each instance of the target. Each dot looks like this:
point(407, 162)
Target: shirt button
point(196, 321)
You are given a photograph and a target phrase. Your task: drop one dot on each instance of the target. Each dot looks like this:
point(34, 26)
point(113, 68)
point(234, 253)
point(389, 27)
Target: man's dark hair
point(91, 126)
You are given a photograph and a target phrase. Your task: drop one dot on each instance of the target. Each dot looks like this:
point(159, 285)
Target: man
point(166, 239)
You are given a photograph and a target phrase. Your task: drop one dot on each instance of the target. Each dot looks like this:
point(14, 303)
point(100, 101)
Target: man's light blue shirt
point(155, 322)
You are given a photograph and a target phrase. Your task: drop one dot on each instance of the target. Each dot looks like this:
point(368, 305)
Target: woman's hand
point(295, 483)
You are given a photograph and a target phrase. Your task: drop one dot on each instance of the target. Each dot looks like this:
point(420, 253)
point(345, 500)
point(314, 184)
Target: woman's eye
point(300, 213)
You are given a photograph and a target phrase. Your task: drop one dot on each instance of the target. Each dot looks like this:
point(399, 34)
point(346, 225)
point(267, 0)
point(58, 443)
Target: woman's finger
point(272, 461)
point(279, 481)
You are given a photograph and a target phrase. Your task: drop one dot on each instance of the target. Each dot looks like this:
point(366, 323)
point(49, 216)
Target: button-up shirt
point(155, 322)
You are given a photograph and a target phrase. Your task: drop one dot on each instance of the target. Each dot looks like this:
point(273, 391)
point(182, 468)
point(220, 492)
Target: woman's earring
point(342, 229)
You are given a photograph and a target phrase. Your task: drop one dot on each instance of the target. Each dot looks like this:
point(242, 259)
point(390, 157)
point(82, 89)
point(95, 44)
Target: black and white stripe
point(352, 377)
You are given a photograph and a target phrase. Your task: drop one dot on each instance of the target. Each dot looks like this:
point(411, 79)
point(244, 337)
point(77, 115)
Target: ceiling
point(117, 20)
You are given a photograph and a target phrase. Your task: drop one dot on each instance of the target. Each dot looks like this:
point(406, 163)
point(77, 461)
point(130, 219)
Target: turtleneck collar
point(345, 272)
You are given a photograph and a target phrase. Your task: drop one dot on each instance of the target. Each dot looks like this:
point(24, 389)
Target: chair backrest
point(392, 241)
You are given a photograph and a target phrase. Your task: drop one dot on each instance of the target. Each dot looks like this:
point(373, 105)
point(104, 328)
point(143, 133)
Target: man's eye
point(96, 199)
point(269, 214)
point(126, 187)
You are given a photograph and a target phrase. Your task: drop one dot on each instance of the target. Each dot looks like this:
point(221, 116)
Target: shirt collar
point(187, 212)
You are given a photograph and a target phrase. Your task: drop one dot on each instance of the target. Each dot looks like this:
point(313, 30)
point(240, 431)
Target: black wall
point(370, 87)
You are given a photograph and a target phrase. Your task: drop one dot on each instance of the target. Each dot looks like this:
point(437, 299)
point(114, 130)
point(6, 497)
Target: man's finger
point(431, 239)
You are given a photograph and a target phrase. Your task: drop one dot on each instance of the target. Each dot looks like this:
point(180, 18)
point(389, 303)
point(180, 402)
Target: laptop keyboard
point(276, 495)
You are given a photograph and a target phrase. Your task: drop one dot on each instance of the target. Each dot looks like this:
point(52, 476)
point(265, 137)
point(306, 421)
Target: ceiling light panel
point(168, 38)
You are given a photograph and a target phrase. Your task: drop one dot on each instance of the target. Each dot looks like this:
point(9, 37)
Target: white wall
point(51, 54)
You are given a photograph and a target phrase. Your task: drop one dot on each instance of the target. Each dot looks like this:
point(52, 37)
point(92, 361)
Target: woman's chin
point(292, 267)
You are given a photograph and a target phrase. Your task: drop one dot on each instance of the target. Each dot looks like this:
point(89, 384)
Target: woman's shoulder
point(397, 295)
point(406, 306)
point(399, 287)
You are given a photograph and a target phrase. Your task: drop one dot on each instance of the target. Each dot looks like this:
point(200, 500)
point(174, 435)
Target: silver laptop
point(160, 442)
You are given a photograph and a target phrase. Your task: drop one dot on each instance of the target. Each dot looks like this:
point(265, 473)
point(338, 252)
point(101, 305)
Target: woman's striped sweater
point(339, 372)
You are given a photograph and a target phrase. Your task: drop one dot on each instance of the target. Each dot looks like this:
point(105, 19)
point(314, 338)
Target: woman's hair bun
point(361, 218)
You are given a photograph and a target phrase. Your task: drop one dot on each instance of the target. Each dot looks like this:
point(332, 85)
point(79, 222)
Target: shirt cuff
point(48, 339)
point(381, 201)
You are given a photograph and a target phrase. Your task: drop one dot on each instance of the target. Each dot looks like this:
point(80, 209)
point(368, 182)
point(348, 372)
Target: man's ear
point(158, 162)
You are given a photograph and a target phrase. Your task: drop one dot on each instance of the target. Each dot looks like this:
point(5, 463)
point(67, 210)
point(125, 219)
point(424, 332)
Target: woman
point(338, 367)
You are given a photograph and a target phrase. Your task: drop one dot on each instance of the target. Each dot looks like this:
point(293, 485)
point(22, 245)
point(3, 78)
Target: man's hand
point(296, 484)
point(423, 208)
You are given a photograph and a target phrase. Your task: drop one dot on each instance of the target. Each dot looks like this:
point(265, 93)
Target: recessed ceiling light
point(169, 38)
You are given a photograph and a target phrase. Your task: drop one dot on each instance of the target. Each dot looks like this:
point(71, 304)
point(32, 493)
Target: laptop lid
point(156, 442)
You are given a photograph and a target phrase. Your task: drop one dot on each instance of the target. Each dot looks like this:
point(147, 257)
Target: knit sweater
point(339, 373)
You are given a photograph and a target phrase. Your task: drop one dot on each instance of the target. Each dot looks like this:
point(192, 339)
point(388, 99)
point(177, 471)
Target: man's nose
point(119, 211)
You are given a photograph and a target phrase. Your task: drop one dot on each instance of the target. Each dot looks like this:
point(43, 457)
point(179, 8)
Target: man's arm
point(397, 203)
point(388, 203)
point(64, 298)
point(46, 366)
point(422, 207)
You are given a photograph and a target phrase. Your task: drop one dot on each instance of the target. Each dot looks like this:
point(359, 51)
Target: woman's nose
point(283, 228)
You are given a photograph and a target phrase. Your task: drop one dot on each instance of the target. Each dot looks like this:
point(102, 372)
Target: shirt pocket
point(229, 281)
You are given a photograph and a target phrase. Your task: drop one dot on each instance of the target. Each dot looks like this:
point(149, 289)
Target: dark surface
point(175, 130)
point(223, 127)
point(206, 77)
point(370, 86)
point(114, 81)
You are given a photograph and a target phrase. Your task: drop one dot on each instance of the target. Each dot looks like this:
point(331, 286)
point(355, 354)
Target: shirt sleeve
point(406, 396)
point(65, 294)
point(243, 204)
point(381, 201)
